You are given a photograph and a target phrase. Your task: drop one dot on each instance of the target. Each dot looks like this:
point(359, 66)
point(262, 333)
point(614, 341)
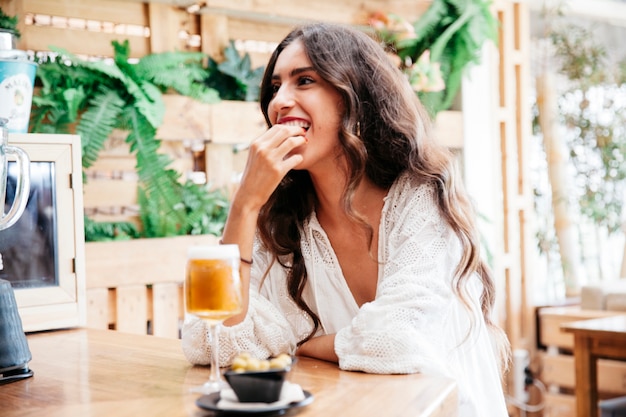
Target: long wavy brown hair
point(385, 131)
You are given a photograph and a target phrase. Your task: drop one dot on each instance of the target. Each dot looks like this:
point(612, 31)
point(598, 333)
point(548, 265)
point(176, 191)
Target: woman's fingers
point(279, 139)
point(270, 157)
point(273, 151)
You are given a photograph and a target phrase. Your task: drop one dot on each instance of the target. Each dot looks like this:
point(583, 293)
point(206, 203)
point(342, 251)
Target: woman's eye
point(305, 80)
point(275, 88)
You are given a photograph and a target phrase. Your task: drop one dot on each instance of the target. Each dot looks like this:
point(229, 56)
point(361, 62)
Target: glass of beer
point(213, 293)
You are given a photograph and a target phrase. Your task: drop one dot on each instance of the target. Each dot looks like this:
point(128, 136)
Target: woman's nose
point(283, 98)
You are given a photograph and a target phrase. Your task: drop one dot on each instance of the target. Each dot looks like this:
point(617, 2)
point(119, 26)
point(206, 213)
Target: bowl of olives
point(258, 380)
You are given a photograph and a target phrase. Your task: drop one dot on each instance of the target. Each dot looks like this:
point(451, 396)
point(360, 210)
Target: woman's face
point(303, 98)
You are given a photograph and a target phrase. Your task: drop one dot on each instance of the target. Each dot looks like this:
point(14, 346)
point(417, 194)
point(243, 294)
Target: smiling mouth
point(299, 123)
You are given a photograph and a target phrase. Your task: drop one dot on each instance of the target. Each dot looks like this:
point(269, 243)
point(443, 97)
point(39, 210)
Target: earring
point(358, 129)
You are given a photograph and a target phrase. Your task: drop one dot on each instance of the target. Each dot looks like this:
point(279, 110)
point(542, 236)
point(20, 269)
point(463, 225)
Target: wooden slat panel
point(128, 12)
point(132, 307)
point(165, 310)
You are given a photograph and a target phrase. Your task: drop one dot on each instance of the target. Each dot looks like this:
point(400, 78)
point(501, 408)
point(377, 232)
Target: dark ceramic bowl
point(257, 386)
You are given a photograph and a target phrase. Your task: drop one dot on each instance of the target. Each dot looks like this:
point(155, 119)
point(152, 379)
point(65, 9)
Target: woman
point(363, 244)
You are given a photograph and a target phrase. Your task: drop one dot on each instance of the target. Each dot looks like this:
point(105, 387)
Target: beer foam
point(213, 252)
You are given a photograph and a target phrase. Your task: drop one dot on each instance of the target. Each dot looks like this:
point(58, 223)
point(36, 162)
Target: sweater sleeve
point(401, 330)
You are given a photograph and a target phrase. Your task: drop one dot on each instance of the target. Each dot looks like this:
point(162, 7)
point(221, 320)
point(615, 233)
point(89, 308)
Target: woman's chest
point(356, 257)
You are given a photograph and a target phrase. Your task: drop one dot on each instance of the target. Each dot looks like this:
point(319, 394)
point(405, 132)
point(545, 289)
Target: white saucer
point(210, 401)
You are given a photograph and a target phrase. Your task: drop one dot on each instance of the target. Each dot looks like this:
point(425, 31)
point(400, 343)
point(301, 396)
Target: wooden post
point(164, 28)
point(564, 224)
point(215, 35)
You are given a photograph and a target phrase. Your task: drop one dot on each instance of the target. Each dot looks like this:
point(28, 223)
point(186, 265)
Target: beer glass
point(213, 293)
point(22, 188)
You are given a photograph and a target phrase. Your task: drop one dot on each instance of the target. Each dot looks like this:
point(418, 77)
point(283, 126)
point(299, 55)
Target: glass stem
point(215, 376)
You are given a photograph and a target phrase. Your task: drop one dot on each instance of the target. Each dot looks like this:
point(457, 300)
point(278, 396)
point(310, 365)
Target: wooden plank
point(84, 28)
point(347, 11)
point(559, 370)
point(165, 310)
point(227, 125)
point(221, 122)
point(185, 118)
point(219, 165)
point(559, 405)
point(132, 307)
point(551, 319)
point(214, 34)
point(109, 193)
point(98, 308)
point(166, 23)
point(119, 165)
point(40, 38)
point(101, 10)
point(139, 261)
point(260, 31)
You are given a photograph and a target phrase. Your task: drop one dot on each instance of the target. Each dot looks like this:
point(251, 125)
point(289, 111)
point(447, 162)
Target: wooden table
point(103, 373)
point(594, 339)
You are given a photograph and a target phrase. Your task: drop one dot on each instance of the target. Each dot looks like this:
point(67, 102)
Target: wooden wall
point(89, 27)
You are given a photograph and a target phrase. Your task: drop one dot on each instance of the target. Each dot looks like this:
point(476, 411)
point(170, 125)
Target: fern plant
point(93, 98)
point(454, 31)
point(234, 78)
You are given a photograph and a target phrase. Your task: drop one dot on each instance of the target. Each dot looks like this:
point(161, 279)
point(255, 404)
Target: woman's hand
point(270, 157)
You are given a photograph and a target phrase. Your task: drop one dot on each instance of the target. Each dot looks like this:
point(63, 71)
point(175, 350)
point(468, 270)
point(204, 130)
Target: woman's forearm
point(321, 347)
point(239, 229)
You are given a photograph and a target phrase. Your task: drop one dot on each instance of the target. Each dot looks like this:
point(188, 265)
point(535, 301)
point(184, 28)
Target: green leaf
point(97, 123)
point(236, 76)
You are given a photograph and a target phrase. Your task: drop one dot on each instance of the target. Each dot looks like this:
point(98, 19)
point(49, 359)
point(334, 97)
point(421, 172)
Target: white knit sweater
point(415, 324)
